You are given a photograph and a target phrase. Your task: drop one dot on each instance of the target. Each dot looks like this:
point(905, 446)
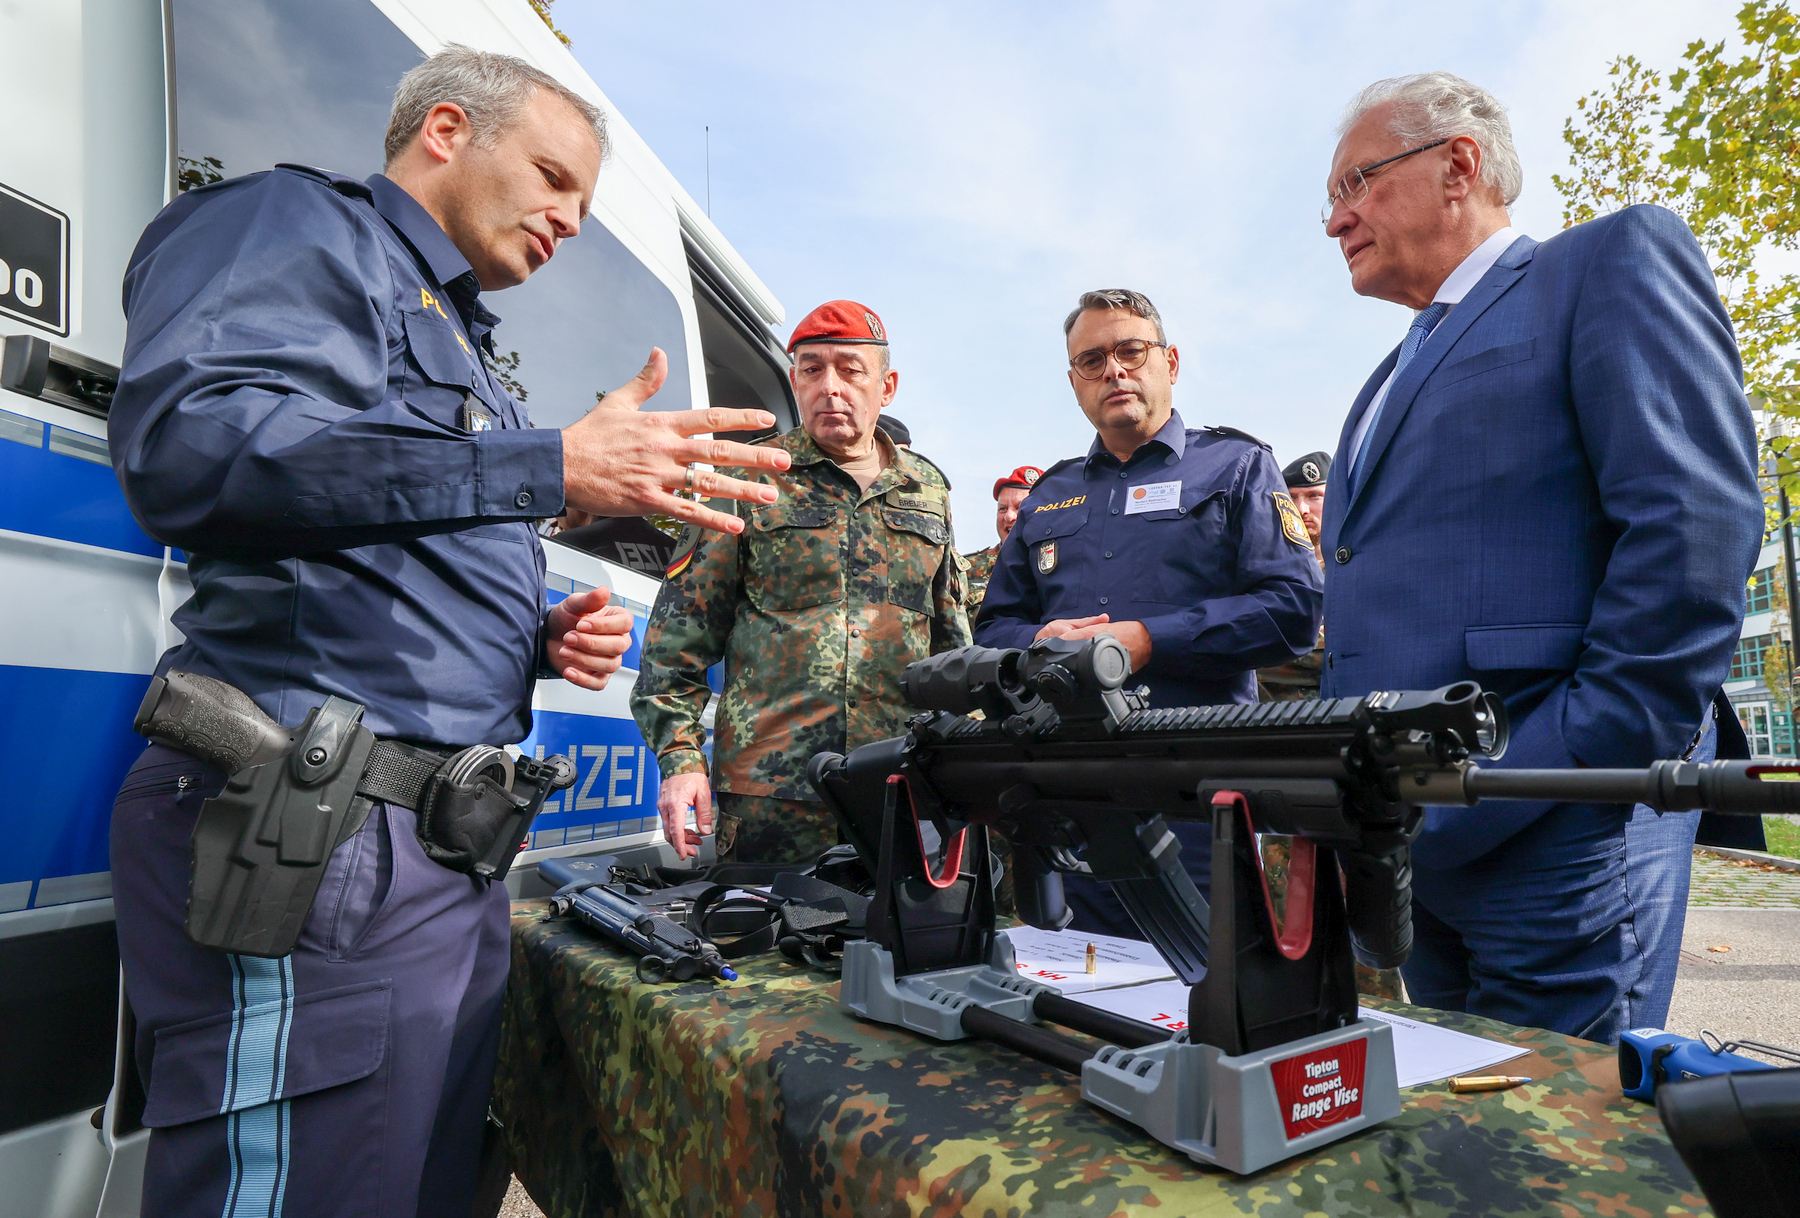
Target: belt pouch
point(260, 846)
point(479, 806)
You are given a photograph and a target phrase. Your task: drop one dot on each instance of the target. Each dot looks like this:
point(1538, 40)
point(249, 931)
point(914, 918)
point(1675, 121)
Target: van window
point(261, 82)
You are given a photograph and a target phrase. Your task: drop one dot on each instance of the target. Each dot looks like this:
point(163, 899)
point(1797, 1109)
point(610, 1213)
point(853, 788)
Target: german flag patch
point(684, 552)
point(1292, 526)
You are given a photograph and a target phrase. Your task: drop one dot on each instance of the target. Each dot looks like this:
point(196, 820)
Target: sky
point(967, 170)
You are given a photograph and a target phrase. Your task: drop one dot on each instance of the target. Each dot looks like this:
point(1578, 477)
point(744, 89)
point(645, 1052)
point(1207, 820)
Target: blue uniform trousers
point(1574, 924)
point(1097, 907)
point(350, 1077)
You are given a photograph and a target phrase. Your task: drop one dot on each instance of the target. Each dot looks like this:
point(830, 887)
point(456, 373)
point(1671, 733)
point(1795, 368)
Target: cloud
point(967, 170)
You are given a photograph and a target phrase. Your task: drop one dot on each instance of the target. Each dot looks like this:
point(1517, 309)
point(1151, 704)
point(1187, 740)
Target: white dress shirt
point(1467, 274)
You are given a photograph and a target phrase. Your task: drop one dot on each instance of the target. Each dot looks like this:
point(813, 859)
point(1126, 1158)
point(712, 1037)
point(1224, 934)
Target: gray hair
point(491, 89)
point(1135, 303)
point(1441, 106)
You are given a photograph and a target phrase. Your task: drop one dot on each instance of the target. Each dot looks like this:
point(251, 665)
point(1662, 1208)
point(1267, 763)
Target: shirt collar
point(429, 241)
point(1172, 435)
point(1479, 262)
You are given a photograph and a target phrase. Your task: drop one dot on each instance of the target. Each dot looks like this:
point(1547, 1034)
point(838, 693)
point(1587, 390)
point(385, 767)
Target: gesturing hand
point(586, 637)
point(619, 460)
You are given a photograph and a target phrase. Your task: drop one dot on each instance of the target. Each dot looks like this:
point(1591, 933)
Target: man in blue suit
point(1548, 487)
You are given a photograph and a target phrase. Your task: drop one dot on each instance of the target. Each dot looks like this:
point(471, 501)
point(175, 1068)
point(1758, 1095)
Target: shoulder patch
point(1292, 526)
point(1233, 433)
point(684, 551)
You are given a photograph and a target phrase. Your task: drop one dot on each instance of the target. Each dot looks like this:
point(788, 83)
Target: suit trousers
point(1573, 924)
point(350, 1077)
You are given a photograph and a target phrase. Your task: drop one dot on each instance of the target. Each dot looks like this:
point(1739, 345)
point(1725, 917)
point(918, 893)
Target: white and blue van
point(113, 107)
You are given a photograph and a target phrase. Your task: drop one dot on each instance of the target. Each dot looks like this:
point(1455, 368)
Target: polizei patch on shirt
point(1153, 497)
point(1293, 527)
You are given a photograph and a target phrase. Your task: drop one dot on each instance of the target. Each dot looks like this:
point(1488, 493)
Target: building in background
point(1760, 683)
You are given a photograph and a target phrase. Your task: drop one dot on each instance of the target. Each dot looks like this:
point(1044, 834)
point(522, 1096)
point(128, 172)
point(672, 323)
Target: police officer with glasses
point(1181, 542)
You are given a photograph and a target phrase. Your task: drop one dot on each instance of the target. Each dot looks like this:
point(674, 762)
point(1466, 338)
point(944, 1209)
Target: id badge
point(1153, 497)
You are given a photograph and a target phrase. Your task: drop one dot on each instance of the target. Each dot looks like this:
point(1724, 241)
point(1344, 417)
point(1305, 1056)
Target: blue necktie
point(1416, 334)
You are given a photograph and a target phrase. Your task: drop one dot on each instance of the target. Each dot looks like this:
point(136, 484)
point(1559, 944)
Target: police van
point(114, 107)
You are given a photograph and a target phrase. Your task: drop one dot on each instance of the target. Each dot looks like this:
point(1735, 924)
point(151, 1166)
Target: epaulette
point(934, 465)
point(342, 183)
point(1063, 464)
point(1234, 434)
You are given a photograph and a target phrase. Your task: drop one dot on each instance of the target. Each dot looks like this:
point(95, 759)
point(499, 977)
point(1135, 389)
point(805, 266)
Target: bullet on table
point(1487, 1082)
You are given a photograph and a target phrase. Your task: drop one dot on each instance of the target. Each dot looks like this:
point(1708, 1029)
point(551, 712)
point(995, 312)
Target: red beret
point(839, 321)
point(1026, 476)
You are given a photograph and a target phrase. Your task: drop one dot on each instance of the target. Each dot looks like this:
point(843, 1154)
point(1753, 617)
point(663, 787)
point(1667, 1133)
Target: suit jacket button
point(1342, 555)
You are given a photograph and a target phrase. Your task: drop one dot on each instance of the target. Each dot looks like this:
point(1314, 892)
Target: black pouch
point(479, 806)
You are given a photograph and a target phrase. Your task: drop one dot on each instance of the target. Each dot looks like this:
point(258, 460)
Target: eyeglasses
point(1131, 354)
point(1353, 187)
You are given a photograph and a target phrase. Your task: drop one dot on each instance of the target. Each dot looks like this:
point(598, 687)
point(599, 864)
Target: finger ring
point(690, 478)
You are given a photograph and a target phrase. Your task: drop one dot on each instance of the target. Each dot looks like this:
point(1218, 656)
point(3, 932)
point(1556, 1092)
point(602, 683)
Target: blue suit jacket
point(1559, 501)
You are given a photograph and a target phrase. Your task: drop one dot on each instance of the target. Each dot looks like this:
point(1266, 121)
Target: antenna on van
point(709, 172)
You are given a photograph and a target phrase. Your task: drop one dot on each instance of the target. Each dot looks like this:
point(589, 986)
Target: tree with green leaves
point(542, 9)
point(1717, 141)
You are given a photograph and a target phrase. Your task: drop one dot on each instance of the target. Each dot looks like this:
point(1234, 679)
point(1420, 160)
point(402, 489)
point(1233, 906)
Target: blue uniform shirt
point(1194, 536)
point(303, 410)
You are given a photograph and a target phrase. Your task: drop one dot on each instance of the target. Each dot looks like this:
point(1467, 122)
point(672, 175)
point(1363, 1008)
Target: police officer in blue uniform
point(305, 411)
point(1183, 543)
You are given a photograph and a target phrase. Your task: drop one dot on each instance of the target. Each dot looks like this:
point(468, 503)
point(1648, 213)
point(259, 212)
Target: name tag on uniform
point(1153, 497)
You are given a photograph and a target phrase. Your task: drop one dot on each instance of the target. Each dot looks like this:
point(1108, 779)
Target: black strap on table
point(399, 773)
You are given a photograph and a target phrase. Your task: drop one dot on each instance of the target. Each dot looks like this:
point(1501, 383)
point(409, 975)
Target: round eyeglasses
point(1091, 365)
point(1353, 187)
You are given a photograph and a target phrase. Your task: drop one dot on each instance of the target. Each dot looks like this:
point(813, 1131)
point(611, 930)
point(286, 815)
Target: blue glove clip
point(1649, 1057)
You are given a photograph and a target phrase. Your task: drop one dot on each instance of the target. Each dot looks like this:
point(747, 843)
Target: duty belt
point(261, 844)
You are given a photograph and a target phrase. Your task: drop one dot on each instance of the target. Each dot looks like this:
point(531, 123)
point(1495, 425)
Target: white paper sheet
point(1059, 958)
point(1423, 1052)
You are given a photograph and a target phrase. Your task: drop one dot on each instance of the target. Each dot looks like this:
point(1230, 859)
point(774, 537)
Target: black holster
point(260, 846)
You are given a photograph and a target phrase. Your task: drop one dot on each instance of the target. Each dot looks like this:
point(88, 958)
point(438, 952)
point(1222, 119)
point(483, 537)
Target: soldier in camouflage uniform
point(1298, 679)
point(1009, 493)
point(815, 609)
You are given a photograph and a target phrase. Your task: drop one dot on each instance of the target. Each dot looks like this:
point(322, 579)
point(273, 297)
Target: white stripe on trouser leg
point(262, 1013)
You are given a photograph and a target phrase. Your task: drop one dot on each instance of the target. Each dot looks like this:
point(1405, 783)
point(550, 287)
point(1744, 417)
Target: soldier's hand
point(1133, 634)
point(620, 460)
point(678, 795)
point(586, 637)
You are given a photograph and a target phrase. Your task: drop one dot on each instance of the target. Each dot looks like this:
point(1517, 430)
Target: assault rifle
point(1083, 778)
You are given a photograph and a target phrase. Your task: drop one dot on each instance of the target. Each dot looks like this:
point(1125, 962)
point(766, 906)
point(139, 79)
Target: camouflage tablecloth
point(762, 1098)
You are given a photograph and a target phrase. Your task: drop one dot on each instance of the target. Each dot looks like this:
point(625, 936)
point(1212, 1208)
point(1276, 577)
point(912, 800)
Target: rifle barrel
point(1742, 788)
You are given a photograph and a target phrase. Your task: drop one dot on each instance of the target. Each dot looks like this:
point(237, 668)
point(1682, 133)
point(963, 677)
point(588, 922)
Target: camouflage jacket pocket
point(922, 524)
point(794, 561)
point(910, 594)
